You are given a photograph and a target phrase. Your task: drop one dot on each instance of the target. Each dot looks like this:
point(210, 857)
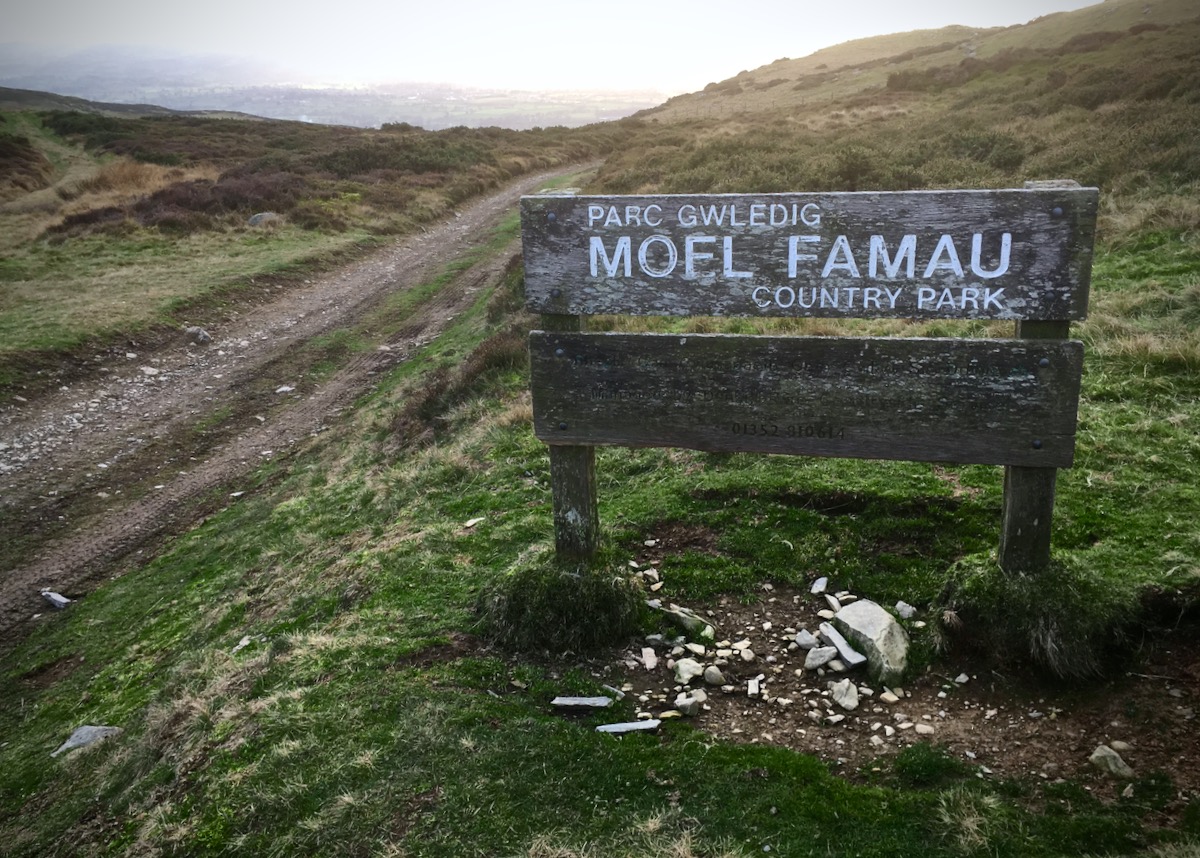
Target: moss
point(560, 608)
point(1064, 620)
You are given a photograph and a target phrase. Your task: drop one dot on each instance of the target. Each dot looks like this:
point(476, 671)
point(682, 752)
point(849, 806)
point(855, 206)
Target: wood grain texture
point(1028, 511)
point(760, 273)
point(1001, 402)
point(1026, 518)
point(573, 481)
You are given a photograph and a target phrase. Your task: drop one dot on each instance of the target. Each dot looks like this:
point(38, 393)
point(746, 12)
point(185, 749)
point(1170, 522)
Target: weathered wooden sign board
point(1006, 402)
point(1023, 255)
point(1008, 254)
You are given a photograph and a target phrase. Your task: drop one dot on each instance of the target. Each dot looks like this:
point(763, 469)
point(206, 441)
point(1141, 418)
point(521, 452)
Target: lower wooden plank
point(1000, 402)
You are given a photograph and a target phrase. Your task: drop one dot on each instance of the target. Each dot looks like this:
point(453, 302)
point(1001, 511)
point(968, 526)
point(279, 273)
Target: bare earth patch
point(1002, 722)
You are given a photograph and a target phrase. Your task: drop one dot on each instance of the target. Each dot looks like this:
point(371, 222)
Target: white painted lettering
point(829, 299)
point(595, 213)
point(906, 254)
point(990, 298)
point(851, 292)
point(969, 295)
point(690, 254)
point(892, 296)
point(925, 295)
point(871, 297)
point(622, 251)
point(779, 214)
point(945, 299)
point(762, 304)
point(812, 301)
point(841, 245)
point(810, 215)
point(653, 218)
point(710, 217)
point(791, 296)
point(758, 214)
point(644, 256)
point(945, 247)
point(729, 272)
point(794, 257)
point(633, 215)
point(977, 253)
point(614, 218)
point(733, 221)
point(686, 215)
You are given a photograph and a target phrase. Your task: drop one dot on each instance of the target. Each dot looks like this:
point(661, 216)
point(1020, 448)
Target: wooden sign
point(989, 254)
point(998, 402)
point(1023, 255)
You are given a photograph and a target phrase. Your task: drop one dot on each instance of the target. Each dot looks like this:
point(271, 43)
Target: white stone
point(57, 600)
point(876, 633)
point(1109, 761)
point(905, 611)
point(819, 586)
point(630, 726)
point(649, 658)
point(807, 640)
point(819, 657)
point(89, 734)
point(687, 669)
point(846, 652)
point(688, 704)
point(844, 694)
point(713, 675)
point(581, 702)
point(925, 729)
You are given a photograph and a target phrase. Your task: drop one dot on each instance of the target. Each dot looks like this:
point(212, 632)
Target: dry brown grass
point(119, 182)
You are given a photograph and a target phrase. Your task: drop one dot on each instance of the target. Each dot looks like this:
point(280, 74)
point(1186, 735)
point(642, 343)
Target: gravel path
point(69, 459)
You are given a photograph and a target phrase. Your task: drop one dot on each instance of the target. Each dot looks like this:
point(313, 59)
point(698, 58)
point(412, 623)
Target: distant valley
point(222, 84)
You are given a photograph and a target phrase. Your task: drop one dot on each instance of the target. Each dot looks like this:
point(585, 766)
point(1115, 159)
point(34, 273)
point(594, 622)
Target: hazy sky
point(665, 45)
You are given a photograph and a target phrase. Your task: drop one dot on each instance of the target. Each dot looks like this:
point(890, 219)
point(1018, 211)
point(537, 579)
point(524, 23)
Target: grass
point(366, 716)
point(364, 713)
point(55, 293)
point(142, 221)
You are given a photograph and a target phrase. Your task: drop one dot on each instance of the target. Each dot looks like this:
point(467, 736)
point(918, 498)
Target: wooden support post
point(1028, 512)
point(573, 482)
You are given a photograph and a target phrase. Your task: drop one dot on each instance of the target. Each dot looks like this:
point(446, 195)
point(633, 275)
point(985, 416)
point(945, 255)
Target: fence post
point(573, 481)
point(1028, 509)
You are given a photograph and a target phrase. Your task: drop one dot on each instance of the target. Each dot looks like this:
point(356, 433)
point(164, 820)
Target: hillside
point(847, 75)
point(28, 99)
point(311, 559)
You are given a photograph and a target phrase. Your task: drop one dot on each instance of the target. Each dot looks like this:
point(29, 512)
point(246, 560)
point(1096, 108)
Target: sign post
point(1021, 255)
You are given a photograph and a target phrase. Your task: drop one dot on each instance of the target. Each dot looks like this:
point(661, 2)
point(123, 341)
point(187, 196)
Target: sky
point(662, 45)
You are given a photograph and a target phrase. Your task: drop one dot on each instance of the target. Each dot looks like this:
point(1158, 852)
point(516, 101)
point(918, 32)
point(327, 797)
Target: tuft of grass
point(970, 820)
point(545, 605)
point(1064, 620)
point(924, 766)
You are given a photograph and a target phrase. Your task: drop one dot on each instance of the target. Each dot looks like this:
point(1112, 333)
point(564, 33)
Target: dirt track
point(111, 463)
